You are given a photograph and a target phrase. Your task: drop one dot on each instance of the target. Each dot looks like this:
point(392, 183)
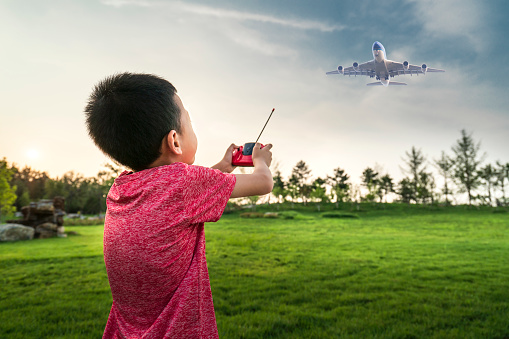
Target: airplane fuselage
point(381, 71)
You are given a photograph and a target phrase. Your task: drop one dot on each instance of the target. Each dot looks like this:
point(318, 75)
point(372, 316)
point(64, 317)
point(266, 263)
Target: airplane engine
point(356, 66)
point(424, 68)
point(405, 65)
point(340, 70)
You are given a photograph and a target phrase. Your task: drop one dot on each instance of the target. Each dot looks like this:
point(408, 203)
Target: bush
point(288, 214)
point(251, 215)
point(339, 215)
point(271, 215)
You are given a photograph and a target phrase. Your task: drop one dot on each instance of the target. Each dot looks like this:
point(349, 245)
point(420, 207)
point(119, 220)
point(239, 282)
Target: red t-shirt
point(154, 251)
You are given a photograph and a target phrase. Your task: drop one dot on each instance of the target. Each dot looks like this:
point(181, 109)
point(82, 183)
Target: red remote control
point(243, 156)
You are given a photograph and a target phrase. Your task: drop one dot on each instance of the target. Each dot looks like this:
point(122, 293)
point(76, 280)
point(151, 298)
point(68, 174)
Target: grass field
point(395, 273)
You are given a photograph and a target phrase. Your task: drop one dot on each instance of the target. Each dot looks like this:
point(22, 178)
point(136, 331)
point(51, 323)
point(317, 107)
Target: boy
point(154, 241)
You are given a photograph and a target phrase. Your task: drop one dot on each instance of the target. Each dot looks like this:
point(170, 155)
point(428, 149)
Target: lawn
point(401, 273)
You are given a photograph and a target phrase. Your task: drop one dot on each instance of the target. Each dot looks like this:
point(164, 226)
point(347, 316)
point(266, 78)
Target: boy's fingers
point(268, 146)
point(231, 148)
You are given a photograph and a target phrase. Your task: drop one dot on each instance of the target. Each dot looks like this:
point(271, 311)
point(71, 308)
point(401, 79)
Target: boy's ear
point(173, 142)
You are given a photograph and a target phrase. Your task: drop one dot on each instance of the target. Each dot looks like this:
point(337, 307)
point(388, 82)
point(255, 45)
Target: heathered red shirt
point(154, 251)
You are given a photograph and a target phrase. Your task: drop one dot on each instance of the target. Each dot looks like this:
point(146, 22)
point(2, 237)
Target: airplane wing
point(367, 68)
point(396, 68)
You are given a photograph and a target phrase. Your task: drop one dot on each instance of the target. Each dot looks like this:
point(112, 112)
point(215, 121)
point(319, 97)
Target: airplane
point(383, 69)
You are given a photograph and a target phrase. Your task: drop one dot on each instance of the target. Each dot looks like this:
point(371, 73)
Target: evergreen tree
point(300, 176)
point(416, 166)
point(445, 165)
point(339, 185)
point(488, 178)
point(279, 190)
point(405, 190)
point(371, 181)
point(386, 186)
point(502, 175)
point(319, 191)
point(293, 188)
point(466, 164)
point(426, 188)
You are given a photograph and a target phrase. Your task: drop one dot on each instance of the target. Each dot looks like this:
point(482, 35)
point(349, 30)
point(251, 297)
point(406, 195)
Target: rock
point(59, 203)
point(47, 226)
point(15, 232)
point(46, 234)
point(270, 215)
point(45, 206)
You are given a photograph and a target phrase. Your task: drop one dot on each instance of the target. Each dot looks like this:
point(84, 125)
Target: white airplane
point(383, 69)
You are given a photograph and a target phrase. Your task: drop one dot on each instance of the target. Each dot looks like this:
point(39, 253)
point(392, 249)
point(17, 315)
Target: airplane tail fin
point(396, 83)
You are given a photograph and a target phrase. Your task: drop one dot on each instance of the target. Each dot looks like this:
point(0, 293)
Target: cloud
point(254, 41)
point(120, 3)
point(246, 16)
point(232, 14)
point(452, 19)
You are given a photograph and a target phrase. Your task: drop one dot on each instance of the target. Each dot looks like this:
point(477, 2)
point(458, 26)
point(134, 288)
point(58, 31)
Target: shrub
point(339, 215)
point(251, 215)
point(271, 215)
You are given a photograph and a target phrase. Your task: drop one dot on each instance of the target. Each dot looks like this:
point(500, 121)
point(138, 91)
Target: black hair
point(128, 115)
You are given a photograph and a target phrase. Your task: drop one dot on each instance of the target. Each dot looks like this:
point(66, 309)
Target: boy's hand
point(259, 182)
point(225, 165)
point(262, 155)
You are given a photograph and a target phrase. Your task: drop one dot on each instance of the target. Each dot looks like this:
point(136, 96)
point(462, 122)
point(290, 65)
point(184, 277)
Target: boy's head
point(128, 116)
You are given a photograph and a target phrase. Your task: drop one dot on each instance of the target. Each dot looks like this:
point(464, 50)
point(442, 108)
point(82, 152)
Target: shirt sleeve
point(206, 193)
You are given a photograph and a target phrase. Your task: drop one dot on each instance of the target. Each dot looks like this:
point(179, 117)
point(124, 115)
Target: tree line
point(462, 171)
point(20, 186)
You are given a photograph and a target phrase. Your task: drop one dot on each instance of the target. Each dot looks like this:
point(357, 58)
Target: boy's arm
point(259, 182)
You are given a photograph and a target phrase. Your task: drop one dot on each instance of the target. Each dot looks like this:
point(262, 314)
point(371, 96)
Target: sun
point(33, 154)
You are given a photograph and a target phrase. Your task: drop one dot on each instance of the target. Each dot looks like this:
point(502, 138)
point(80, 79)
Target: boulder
point(47, 226)
point(44, 234)
point(15, 232)
point(45, 206)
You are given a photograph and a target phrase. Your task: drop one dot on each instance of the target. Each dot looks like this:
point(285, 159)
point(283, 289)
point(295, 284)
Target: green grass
point(390, 273)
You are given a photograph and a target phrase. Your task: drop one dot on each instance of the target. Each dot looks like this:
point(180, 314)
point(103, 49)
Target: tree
point(339, 185)
point(466, 164)
point(300, 176)
point(416, 166)
point(7, 192)
point(386, 186)
point(279, 190)
point(502, 175)
point(370, 180)
point(405, 190)
point(445, 165)
point(488, 178)
point(30, 185)
point(293, 187)
point(73, 187)
point(319, 192)
point(426, 188)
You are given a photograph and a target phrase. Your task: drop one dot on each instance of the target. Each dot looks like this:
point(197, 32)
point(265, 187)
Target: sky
point(233, 61)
